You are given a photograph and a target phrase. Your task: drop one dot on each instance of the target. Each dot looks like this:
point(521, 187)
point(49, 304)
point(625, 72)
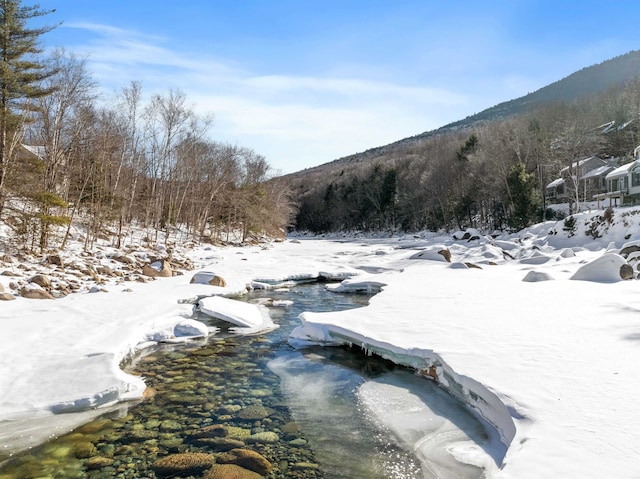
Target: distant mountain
point(588, 81)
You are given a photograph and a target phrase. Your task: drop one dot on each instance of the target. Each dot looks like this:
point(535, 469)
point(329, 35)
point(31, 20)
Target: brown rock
point(472, 265)
point(35, 294)
point(248, 459)
point(184, 464)
point(220, 443)
point(7, 297)
point(55, 259)
point(158, 269)
point(446, 254)
point(98, 462)
point(627, 250)
point(216, 430)
point(124, 259)
point(41, 280)
point(1, 288)
point(205, 277)
point(230, 471)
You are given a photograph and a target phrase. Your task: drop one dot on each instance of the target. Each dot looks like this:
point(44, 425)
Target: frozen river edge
point(562, 372)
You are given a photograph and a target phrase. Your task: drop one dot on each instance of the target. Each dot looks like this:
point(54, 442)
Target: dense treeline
point(68, 154)
point(489, 176)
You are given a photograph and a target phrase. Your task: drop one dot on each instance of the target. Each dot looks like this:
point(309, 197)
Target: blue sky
point(304, 82)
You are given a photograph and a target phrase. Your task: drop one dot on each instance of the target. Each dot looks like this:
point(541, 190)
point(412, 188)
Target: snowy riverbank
point(550, 363)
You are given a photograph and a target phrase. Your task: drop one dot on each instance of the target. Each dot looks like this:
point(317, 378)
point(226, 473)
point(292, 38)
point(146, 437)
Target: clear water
point(320, 404)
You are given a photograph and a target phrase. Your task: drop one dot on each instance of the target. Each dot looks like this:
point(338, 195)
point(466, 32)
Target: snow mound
point(436, 253)
point(536, 276)
point(179, 329)
point(357, 285)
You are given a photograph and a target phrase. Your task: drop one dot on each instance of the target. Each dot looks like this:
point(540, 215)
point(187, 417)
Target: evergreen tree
point(523, 197)
point(20, 76)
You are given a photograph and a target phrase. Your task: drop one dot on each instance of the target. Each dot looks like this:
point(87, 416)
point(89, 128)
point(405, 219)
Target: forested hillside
point(487, 171)
point(109, 163)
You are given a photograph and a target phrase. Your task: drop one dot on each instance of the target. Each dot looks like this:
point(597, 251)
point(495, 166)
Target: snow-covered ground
point(534, 331)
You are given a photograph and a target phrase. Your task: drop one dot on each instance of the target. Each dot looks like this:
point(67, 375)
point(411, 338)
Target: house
point(29, 151)
point(587, 176)
point(623, 183)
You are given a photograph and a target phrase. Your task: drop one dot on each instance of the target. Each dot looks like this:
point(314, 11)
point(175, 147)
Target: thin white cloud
point(295, 121)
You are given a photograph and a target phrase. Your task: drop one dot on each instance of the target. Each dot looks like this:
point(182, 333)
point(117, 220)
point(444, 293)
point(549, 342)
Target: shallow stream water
point(313, 413)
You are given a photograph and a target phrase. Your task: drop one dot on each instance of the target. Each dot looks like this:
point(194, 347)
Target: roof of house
point(39, 151)
point(596, 172)
point(555, 183)
point(622, 170)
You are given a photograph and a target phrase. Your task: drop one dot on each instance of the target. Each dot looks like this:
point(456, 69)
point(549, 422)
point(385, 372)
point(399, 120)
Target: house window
point(635, 177)
point(613, 185)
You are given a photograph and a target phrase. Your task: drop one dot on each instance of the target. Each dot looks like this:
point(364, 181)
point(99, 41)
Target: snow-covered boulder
point(536, 276)
point(438, 253)
point(158, 269)
point(605, 269)
point(235, 312)
point(364, 284)
point(208, 277)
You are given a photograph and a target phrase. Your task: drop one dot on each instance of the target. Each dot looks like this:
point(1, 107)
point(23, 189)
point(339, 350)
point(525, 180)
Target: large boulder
point(33, 293)
point(158, 269)
point(605, 269)
point(41, 280)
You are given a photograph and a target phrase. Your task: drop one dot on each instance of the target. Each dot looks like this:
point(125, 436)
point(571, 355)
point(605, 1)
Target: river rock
point(248, 459)
point(220, 444)
point(446, 254)
point(216, 430)
point(158, 269)
point(35, 294)
point(184, 464)
point(626, 271)
point(7, 297)
point(207, 277)
point(55, 259)
point(230, 471)
point(41, 280)
point(305, 466)
point(263, 438)
point(629, 248)
point(98, 462)
point(254, 412)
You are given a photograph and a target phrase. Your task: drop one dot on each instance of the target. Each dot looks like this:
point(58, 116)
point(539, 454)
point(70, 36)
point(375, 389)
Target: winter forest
point(490, 175)
point(70, 154)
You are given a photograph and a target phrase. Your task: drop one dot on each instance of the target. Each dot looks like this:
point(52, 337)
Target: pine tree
point(20, 75)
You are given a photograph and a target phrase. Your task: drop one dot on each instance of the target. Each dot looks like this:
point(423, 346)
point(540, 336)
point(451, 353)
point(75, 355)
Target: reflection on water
point(310, 414)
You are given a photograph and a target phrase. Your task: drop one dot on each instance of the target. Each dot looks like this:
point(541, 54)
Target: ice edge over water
point(426, 363)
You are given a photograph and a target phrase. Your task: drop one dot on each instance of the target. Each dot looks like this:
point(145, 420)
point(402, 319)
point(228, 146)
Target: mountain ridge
point(584, 82)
